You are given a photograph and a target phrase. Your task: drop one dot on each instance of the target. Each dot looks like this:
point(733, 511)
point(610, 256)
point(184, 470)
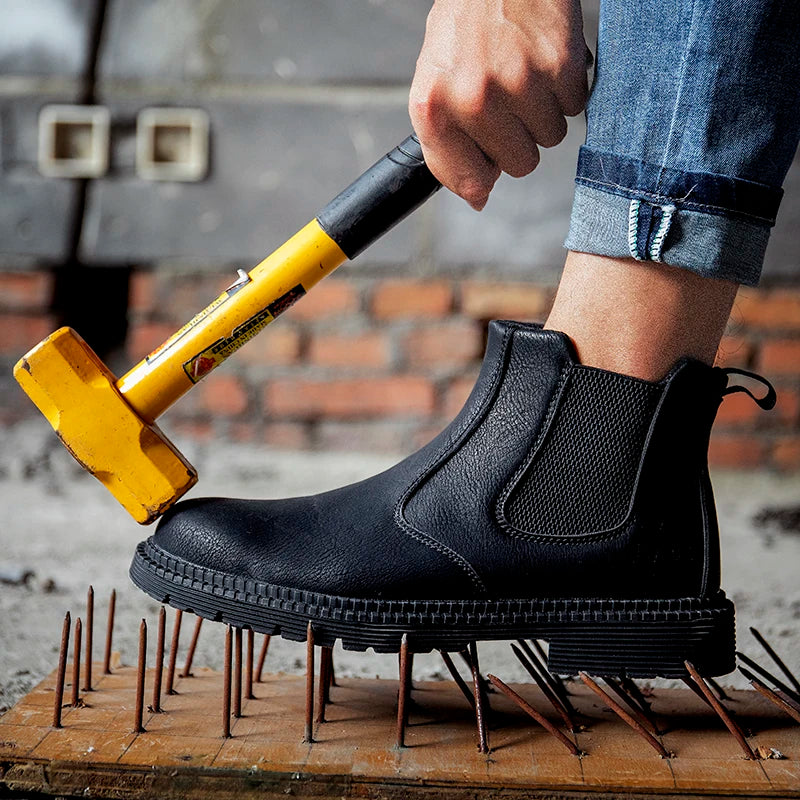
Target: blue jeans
point(693, 121)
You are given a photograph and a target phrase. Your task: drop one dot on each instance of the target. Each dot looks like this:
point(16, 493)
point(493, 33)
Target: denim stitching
point(633, 227)
point(626, 191)
point(661, 233)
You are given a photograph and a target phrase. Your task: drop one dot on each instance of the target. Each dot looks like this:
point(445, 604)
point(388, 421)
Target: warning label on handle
point(200, 365)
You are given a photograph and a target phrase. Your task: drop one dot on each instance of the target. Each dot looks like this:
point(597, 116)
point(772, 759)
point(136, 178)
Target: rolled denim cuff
point(714, 225)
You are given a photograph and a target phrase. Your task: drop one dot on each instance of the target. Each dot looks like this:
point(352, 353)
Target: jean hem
point(712, 245)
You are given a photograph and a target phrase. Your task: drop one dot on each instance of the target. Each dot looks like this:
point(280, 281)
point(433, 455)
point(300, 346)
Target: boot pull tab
point(766, 402)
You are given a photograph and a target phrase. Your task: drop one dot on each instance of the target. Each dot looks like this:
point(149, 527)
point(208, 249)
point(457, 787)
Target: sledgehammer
point(108, 424)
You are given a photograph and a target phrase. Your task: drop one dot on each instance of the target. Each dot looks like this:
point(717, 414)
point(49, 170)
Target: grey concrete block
point(521, 231)
point(281, 41)
point(45, 37)
point(35, 216)
point(272, 168)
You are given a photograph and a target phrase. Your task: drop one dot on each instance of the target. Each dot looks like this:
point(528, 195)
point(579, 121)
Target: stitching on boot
point(441, 456)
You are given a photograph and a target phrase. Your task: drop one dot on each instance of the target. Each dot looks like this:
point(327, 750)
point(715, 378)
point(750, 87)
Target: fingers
point(459, 163)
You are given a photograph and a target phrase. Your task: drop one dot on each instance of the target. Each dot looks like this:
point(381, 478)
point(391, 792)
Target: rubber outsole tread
point(643, 638)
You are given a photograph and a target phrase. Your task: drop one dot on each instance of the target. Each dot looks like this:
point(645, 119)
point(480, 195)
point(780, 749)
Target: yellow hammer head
point(77, 394)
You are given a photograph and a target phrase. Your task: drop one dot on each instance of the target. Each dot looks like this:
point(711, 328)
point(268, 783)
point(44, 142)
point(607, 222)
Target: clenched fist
point(495, 80)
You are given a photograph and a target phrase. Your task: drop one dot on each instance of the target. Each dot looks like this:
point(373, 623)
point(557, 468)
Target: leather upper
point(436, 525)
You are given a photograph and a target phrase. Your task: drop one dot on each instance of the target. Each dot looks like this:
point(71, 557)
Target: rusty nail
point(159, 667)
point(324, 683)
point(477, 688)
point(87, 669)
point(532, 712)
point(735, 730)
point(248, 671)
point(635, 708)
point(404, 689)
point(62, 671)
point(556, 684)
point(328, 654)
point(173, 652)
point(625, 716)
point(720, 692)
point(331, 674)
point(237, 674)
point(112, 604)
point(767, 675)
point(140, 669)
point(226, 685)
point(466, 658)
point(545, 688)
point(629, 685)
point(262, 657)
point(187, 667)
point(540, 664)
point(773, 697)
point(776, 658)
point(696, 689)
point(76, 664)
point(460, 682)
point(308, 735)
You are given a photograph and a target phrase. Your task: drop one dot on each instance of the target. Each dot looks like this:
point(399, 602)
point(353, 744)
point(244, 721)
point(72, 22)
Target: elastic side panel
point(582, 479)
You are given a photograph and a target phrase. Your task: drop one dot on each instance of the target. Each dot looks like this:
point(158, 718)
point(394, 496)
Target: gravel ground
point(61, 528)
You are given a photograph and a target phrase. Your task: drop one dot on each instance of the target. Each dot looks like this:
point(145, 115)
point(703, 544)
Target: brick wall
point(383, 364)
point(301, 96)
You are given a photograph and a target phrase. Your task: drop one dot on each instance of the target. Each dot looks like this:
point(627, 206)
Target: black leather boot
point(563, 503)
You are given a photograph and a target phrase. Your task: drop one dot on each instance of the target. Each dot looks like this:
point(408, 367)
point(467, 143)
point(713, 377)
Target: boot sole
point(642, 638)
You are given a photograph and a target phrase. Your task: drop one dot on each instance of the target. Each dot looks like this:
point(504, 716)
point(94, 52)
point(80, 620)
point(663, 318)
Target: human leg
point(693, 121)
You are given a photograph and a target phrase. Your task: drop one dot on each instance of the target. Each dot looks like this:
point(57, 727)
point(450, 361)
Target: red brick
point(738, 409)
point(401, 299)
point(278, 345)
point(287, 435)
point(20, 332)
point(142, 292)
point(222, 395)
point(25, 291)
point(769, 309)
point(186, 295)
point(739, 451)
point(734, 351)
point(348, 399)
point(741, 410)
point(491, 300)
point(350, 350)
point(193, 429)
point(329, 298)
point(457, 393)
point(780, 357)
point(451, 344)
point(786, 453)
point(144, 337)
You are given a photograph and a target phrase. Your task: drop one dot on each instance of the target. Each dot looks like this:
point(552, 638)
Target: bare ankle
point(639, 318)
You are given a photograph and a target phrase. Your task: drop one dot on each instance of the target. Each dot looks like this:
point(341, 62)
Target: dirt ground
point(61, 531)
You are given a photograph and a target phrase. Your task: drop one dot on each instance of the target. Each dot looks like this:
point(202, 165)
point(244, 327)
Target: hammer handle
point(387, 192)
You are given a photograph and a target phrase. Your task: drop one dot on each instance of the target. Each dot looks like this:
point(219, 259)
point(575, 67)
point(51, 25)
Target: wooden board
point(182, 752)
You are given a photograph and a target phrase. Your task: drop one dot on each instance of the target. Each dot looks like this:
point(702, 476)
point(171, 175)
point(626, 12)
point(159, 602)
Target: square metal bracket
point(172, 144)
point(73, 141)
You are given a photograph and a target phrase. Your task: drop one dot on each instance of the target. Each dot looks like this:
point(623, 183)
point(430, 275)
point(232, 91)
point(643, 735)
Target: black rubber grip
point(386, 193)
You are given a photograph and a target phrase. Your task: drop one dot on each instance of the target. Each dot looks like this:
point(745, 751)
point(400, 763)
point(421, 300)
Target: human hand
point(495, 80)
